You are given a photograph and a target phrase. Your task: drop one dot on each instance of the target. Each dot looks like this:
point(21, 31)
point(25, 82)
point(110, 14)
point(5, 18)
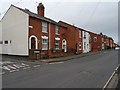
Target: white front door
point(103, 46)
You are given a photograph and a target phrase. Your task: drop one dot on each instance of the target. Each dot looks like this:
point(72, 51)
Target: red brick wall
point(37, 31)
point(72, 36)
point(69, 32)
point(111, 42)
point(62, 30)
point(96, 46)
point(71, 39)
point(108, 42)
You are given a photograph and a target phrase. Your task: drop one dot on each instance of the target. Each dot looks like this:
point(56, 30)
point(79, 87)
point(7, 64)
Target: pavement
point(41, 61)
point(118, 85)
point(91, 71)
point(69, 57)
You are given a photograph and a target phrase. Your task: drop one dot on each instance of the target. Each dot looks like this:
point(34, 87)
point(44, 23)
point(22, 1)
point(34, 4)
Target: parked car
point(117, 48)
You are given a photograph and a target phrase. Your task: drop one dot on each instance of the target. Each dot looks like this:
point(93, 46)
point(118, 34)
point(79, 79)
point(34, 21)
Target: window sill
point(57, 34)
point(44, 49)
point(44, 32)
point(57, 48)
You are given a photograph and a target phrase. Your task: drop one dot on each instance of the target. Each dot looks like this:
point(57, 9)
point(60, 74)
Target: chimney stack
point(40, 9)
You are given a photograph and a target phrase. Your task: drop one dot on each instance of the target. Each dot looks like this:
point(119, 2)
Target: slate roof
point(36, 15)
point(65, 24)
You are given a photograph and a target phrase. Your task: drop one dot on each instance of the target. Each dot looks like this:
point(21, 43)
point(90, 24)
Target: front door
point(33, 43)
point(64, 45)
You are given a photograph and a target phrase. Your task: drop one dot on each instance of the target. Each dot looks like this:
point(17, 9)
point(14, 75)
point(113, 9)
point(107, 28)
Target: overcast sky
point(93, 15)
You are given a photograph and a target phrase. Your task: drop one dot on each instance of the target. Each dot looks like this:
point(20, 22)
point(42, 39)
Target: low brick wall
point(44, 54)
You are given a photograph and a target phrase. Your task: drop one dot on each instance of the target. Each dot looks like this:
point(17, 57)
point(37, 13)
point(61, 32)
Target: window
point(1, 42)
point(6, 42)
point(90, 39)
point(102, 39)
point(57, 30)
point(84, 34)
point(107, 42)
point(44, 44)
point(87, 45)
point(57, 44)
point(10, 41)
point(80, 45)
point(80, 34)
point(44, 27)
point(95, 39)
point(84, 45)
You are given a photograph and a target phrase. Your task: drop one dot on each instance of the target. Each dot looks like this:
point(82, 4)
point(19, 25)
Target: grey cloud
point(94, 16)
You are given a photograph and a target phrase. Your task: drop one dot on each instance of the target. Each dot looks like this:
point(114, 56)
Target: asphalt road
point(85, 72)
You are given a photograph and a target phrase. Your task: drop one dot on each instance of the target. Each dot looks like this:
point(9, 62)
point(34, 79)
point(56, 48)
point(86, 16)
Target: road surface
point(85, 72)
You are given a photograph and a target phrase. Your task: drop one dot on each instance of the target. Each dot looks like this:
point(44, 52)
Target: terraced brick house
point(26, 33)
point(74, 38)
point(96, 42)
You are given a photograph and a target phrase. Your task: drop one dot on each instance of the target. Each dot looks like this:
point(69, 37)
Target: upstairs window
point(44, 27)
point(56, 30)
point(90, 40)
point(80, 35)
point(95, 39)
point(85, 35)
point(6, 42)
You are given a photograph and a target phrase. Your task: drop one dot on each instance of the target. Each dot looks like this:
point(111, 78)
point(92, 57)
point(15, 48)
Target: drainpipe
point(49, 47)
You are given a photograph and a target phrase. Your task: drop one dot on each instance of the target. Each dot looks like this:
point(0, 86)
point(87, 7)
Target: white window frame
point(57, 30)
point(45, 43)
point(85, 35)
point(84, 45)
point(44, 26)
point(95, 38)
point(80, 34)
point(80, 45)
point(57, 44)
